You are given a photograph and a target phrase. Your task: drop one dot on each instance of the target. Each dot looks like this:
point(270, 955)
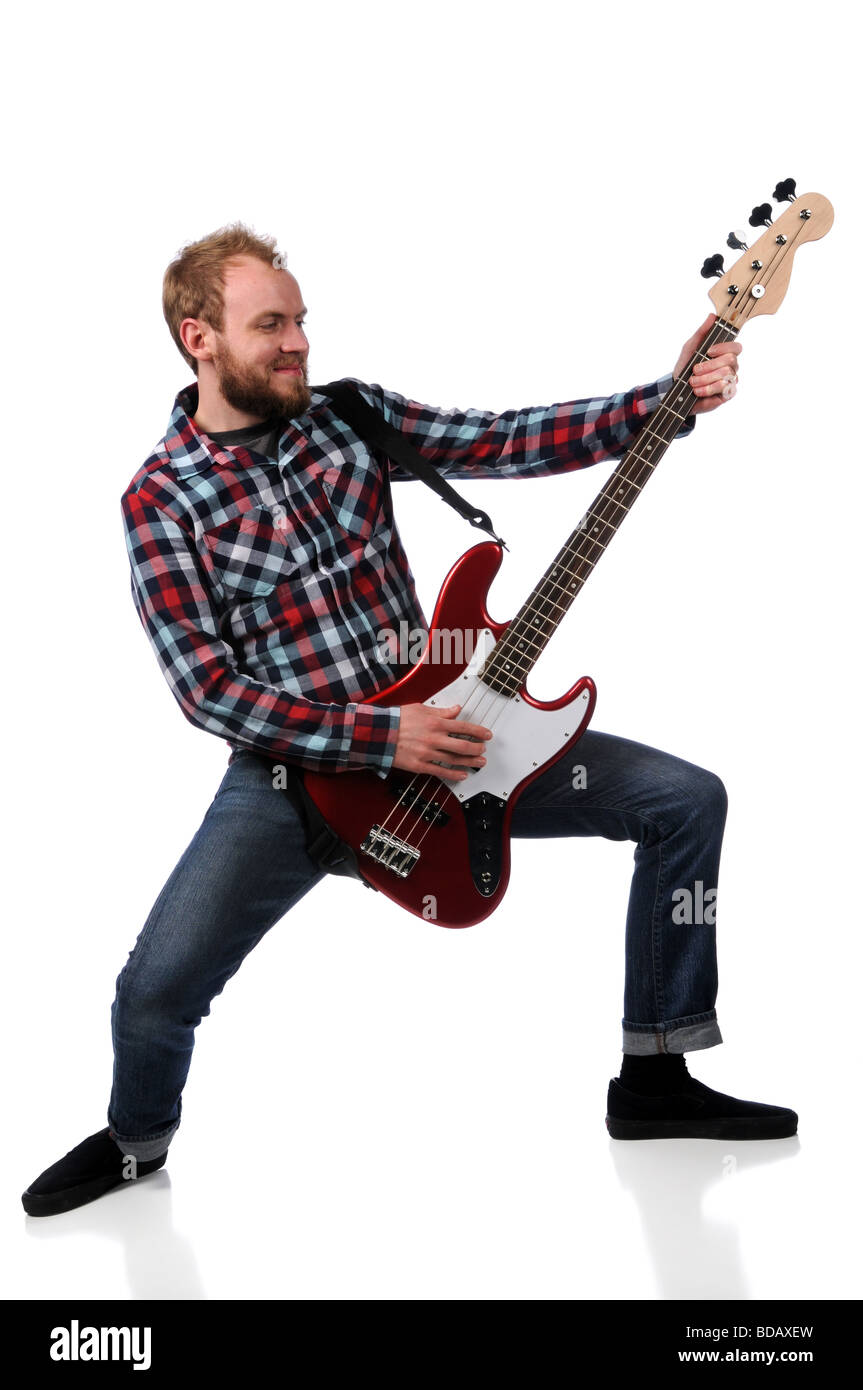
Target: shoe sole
point(758, 1127)
point(52, 1203)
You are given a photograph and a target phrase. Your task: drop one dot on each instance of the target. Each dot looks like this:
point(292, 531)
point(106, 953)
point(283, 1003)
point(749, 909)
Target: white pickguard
point(524, 737)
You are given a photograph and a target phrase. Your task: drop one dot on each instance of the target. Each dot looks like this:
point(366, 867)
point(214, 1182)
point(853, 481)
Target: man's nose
point(294, 340)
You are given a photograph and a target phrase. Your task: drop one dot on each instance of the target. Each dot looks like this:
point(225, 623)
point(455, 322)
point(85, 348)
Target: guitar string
point(475, 710)
point(472, 712)
point(598, 512)
point(598, 509)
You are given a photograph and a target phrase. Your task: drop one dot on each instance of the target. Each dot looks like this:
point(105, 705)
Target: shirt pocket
point(354, 492)
point(253, 553)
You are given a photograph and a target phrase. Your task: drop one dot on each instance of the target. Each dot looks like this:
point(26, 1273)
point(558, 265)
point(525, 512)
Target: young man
point(266, 563)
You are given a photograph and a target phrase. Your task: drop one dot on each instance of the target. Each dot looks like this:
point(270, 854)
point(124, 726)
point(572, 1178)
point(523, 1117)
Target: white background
point(487, 205)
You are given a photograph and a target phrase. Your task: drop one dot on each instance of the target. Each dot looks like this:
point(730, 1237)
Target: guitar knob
point(784, 192)
point(736, 241)
point(714, 265)
point(760, 216)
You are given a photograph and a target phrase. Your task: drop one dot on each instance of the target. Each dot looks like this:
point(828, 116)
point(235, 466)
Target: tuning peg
point(761, 216)
point(736, 242)
point(713, 266)
point(784, 191)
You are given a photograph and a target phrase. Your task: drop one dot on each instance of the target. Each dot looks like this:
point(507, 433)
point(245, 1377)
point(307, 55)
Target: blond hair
point(193, 285)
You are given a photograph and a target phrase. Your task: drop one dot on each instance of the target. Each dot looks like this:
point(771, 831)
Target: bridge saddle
point(395, 854)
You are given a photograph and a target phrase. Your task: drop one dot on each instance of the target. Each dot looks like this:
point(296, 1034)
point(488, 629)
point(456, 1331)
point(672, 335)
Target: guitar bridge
point(389, 850)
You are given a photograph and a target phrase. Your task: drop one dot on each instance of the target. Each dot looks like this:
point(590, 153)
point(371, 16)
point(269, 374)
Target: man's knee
point(708, 796)
point(715, 795)
point(144, 1007)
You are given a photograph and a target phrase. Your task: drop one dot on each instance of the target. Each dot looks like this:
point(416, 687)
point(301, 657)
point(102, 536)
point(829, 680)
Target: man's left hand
point(713, 382)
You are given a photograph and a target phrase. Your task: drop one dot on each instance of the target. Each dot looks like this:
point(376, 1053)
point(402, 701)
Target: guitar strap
point(374, 429)
point(325, 848)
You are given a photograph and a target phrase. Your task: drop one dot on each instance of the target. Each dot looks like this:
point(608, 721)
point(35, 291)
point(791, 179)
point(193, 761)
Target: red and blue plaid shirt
point(264, 585)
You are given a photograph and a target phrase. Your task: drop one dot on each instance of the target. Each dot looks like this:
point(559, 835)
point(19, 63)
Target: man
point(266, 564)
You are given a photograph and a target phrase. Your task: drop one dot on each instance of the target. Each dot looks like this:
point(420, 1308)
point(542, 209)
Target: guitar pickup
point(389, 850)
point(430, 811)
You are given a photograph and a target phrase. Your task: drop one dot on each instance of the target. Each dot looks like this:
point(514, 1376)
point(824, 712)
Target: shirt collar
point(188, 447)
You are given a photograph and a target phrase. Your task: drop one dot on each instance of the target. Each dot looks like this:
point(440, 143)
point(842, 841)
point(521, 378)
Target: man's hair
point(194, 283)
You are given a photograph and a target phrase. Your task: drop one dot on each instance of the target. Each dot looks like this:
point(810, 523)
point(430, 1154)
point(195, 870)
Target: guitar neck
point(530, 631)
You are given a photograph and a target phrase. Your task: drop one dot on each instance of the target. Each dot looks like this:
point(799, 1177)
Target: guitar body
point(440, 849)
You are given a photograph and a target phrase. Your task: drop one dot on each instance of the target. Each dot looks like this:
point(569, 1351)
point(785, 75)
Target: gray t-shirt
point(262, 437)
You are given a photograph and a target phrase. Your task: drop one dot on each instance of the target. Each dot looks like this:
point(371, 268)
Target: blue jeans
point(247, 866)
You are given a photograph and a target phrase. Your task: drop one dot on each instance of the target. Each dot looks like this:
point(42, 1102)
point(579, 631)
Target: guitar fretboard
point(537, 620)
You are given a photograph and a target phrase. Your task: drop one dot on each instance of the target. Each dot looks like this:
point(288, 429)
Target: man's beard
point(247, 389)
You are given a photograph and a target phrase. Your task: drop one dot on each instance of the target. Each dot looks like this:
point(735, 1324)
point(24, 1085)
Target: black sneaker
point(86, 1172)
point(693, 1112)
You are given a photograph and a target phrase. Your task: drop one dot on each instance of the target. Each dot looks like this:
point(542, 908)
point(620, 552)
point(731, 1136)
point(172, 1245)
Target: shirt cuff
point(374, 736)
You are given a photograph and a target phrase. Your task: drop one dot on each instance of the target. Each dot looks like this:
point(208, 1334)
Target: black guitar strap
point(325, 848)
point(374, 429)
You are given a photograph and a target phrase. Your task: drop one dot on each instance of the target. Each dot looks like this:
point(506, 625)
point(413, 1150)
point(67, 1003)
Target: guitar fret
point(567, 591)
point(650, 446)
point(592, 540)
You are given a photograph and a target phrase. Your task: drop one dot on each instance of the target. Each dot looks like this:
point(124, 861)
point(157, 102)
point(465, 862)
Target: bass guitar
point(440, 849)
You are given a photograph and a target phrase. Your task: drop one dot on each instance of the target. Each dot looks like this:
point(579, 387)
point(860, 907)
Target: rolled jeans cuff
point(679, 1035)
point(143, 1149)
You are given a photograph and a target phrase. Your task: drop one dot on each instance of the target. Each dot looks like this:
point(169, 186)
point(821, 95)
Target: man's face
point(261, 356)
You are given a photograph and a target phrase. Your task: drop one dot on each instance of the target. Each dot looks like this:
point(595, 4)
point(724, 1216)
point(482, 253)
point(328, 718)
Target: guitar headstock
point(757, 281)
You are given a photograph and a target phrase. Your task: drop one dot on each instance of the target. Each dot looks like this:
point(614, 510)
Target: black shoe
point(86, 1172)
point(693, 1111)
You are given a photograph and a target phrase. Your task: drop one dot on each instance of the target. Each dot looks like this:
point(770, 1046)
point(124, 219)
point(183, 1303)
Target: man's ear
point(194, 334)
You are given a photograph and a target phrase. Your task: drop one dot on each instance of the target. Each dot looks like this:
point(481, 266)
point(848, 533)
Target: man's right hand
point(427, 736)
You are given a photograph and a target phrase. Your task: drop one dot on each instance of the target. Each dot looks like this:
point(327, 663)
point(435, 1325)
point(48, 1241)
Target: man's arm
point(534, 442)
point(172, 600)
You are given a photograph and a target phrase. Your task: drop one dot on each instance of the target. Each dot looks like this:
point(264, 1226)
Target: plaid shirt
point(264, 585)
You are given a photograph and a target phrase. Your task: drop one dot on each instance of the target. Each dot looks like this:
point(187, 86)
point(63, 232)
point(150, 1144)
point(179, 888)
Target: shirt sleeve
point(171, 596)
point(534, 442)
